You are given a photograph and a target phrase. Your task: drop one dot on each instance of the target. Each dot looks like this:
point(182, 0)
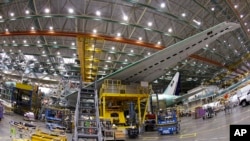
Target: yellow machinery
point(114, 102)
point(42, 136)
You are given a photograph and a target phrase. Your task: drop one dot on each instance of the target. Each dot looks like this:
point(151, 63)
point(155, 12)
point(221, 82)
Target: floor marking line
point(188, 135)
point(150, 138)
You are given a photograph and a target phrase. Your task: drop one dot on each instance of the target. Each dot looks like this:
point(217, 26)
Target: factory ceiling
point(39, 38)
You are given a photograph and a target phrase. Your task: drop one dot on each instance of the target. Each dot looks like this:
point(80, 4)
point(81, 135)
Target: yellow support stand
point(87, 50)
point(115, 97)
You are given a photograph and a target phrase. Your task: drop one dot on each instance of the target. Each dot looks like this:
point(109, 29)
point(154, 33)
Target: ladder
point(88, 126)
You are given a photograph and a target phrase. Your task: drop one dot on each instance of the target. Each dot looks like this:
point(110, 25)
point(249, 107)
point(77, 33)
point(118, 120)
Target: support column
point(139, 109)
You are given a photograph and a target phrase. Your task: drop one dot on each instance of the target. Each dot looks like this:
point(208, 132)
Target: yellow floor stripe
point(188, 135)
point(150, 138)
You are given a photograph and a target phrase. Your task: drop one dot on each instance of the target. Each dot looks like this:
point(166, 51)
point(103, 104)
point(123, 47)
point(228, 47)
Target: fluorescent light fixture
point(197, 22)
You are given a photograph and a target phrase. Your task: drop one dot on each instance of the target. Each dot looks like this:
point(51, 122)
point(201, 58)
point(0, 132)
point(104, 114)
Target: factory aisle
point(214, 129)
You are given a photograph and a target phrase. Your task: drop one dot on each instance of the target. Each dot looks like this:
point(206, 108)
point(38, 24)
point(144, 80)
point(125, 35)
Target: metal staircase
point(88, 126)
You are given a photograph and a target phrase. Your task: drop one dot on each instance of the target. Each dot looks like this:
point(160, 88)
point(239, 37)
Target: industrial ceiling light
point(70, 10)
point(140, 38)
point(27, 12)
point(32, 28)
point(94, 31)
point(159, 42)
point(149, 23)
point(170, 30)
point(46, 10)
point(236, 6)
point(98, 13)
point(241, 16)
point(113, 48)
point(118, 34)
point(212, 8)
point(1, 17)
point(12, 14)
point(51, 28)
point(38, 42)
point(163, 5)
point(183, 14)
point(24, 41)
point(73, 44)
point(125, 18)
point(197, 22)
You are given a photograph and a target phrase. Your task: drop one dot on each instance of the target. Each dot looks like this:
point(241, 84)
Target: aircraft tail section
point(173, 86)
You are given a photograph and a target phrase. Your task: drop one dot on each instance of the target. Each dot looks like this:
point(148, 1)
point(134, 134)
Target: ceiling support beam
point(102, 37)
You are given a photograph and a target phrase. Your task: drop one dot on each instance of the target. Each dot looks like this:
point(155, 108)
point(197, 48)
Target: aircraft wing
point(152, 67)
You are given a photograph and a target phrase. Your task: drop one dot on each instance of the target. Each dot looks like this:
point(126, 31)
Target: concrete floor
point(214, 129)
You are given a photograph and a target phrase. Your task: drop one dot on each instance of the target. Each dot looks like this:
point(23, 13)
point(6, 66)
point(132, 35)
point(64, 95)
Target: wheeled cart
point(167, 122)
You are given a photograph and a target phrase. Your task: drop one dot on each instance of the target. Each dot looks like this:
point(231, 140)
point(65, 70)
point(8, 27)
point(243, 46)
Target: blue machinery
point(167, 122)
point(133, 129)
